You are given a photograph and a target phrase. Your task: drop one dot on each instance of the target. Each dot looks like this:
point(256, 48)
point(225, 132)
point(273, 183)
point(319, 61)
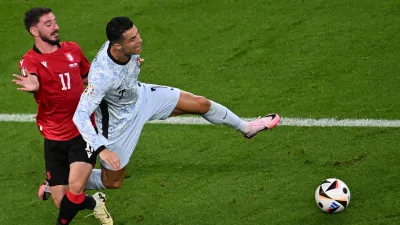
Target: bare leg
point(57, 193)
point(112, 179)
point(191, 104)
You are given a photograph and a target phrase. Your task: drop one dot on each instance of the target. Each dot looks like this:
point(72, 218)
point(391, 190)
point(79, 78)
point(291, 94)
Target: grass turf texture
point(210, 175)
point(299, 58)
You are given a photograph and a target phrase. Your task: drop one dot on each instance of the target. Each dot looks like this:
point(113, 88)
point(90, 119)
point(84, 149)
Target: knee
point(76, 187)
point(113, 184)
point(204, 104)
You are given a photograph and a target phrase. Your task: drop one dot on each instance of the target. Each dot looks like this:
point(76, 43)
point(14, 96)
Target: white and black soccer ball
point(332, 195)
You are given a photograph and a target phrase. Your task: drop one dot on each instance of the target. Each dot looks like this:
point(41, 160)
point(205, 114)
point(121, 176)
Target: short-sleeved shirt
point(60, 77)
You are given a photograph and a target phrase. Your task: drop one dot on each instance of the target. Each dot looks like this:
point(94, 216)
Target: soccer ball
point(332, 195)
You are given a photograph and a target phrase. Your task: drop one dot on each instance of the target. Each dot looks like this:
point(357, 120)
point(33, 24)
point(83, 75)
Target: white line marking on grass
point(17, 117)
point(298, 122)
point(331, 122)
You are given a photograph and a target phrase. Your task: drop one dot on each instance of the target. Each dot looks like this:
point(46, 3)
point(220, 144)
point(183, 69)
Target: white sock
point(219, 114)
point(94, 181)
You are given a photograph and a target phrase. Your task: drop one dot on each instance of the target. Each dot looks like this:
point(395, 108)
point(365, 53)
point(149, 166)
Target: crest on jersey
point(44, 63)
point(69, 56)
point(89, 89)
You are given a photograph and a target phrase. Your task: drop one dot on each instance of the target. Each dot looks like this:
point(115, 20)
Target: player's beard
point(48, 40)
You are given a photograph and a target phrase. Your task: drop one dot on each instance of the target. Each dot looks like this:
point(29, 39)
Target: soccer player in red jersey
point(55, 72)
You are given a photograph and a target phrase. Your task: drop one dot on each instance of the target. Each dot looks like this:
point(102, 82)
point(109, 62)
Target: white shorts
point(157, 104)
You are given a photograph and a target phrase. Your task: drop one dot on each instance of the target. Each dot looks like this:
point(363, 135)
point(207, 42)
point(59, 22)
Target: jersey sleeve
point(29, 65)
point(100, 81)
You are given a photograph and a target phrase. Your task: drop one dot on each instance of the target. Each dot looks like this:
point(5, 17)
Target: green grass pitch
point(309, 59)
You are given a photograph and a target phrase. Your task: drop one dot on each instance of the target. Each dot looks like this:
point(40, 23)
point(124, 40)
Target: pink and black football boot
point(263, 123)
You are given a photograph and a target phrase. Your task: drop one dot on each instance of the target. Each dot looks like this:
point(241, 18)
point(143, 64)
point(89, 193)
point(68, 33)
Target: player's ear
point(118, 46)
point(34, 31)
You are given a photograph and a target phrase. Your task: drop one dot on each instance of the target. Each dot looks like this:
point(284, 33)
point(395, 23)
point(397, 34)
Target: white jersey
point(114, 93)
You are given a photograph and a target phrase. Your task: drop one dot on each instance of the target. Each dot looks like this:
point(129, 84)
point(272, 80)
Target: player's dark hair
point(33, 15)
point(116, 27)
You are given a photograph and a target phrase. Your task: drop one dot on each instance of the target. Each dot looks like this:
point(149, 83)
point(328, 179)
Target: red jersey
point(60, 77)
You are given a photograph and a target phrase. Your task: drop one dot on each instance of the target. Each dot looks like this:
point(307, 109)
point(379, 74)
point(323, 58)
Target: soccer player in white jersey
point(123, 105)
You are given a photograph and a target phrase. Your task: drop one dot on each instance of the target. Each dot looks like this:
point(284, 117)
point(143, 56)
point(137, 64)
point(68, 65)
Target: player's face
point(132, 43)
point(47, 29)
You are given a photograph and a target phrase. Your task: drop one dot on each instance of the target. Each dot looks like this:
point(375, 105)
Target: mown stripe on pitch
point(286, 121)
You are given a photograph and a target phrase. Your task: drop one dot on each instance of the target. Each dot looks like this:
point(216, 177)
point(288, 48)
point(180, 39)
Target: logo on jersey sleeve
point(69, 56)
point(89, 90)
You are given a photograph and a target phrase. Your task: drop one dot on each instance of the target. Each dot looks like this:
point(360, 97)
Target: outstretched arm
point(90, 100)
point(27, 82)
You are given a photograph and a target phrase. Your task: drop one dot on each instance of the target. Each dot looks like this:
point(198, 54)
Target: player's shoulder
point(102, 53)
point(101, 58)
point(30, 56)
point(69, 45)
point(100, 67)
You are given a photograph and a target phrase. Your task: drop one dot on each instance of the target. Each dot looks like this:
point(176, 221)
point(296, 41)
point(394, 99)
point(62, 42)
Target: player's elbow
point(75, 119)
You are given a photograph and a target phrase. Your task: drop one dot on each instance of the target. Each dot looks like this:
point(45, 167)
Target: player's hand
point(27, 82)
point(141, 60)
point(111, 158)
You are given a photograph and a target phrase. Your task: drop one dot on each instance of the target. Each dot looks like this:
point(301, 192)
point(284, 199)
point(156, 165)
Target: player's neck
point(119, 55)
point(45, 47)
